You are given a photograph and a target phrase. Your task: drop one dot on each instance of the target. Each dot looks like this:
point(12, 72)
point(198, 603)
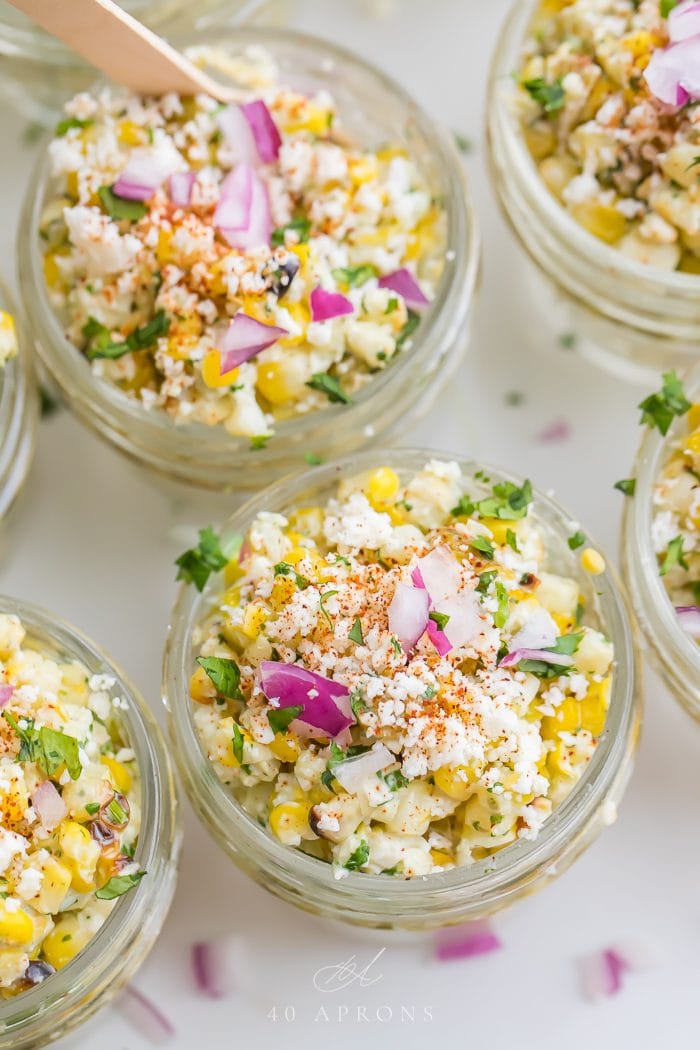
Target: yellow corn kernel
point(559, 762)
point(604, 221)
point(253, 619)
point(72, 184)
point(289, 821)
point(692, 443)
point(54, 887)
point(202, 689)
point(362, 170)
point(540, 140)
point(594, 706)
point(52, 274)
point(567, 718)
point(16, 927)
point(81, 853)
point(211, 371)
point(299, 313)
point(232, 574)
point(224, 742)
point(121, 777)
point(694, 416)
point(67, 938)
point(131, 134)
point(383, 485)
point(564, 623)
point(593, 562)
point(286, 747)
point(163, 248)
point(639, 43)
point(499, 528)
point(690, 263)
point(275, 382)
point(455, 781)
point(388, 153)
point(297, 554)
point(441, 858)
point(313, 118)
point(283, 590)
point(308, 521)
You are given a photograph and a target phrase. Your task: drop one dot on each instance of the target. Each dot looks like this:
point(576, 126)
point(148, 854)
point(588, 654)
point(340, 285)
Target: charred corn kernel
point(254, 618)
point(500, 528)
point(211, 371)
point(66, 939)
point(131, 134)
point(567, 718)
point(286, 747)
point(54, 887)
point(16, 927)
point(456, 782)
point(594, 706)
point(121, 777)
point(564, 623)
point(289, 822)
point(592, 562)
point(202, 689)
point(383, 485)
point(602, 220)
point(276, 383)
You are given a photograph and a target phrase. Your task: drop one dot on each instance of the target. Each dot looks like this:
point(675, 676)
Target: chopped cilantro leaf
point(353, 276)
point(100, 344)
point(408, 329)
point(259, 442)
point(225, 674)
point(92, 808)
point(283, 568)
point(627, 486)
point(484, 546)
point(396, 646)
point(64, 126)
point(550, 95)
point(666, 6)
point(118, 885)
point(674, 556)
point(300, 226)
point(196, 565)
point(501, 615)
point(119, 208)
point(512, 540)
point(280, 717)
point(312, 459)
point(355, 634)
point(508, 502)
point(357, 702)
point(576, 540)
point(441, 619)
point(322, 599)
point(237, 744)
point(485, 581)
point(359, 857)
point(658, 410)
point(464, 508)
point(393, 304)
point(49, 748)
point(330, 386)
point(394, 780)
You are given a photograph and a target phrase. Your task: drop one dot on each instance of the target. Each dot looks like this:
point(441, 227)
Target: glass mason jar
point(632, 319)
point(464, 893)
point(37, 71)
point(375, 109)
point(87, 983)
point(18, 413)
point(675, 653)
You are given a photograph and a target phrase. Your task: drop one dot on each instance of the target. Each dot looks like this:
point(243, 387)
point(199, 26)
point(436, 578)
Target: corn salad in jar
point(69, 809)
point(394, 682)
point(609, 107)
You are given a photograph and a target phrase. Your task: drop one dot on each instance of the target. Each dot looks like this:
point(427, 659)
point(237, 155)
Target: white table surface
point(91, 542)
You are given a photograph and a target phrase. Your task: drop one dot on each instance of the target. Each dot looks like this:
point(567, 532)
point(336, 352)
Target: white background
point(91, 541)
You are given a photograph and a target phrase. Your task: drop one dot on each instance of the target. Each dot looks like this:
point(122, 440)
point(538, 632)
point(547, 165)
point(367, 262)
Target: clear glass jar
point(374, 109)
point(19, 406)
point(463, 893)
point(630, 318)
point(87, 983)
point(675, 653)
point(37, 71)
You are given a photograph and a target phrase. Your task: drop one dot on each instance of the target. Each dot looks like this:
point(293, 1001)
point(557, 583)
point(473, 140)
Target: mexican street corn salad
point(608, 96)
point(235, 265)
point(395, 682)
point(69, 809)
point(676, 501)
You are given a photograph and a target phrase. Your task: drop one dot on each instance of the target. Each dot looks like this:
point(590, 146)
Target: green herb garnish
point(196, 565)
point(119, 208)
point(283, 568)
point(576, 540)
point(441, 619)
point(280, 717)
point(322, 599)
point(300, 226)
point(484, 546)
point(355, 634)
point(408, 329)
point(673, 557)
point(100, 344)
point(658, 410)
point(237, 744)
point(64, 126)
point(627, 486)
point(353, 276)
point(512, 540)
point(330, 386)
point(550, 95)
point(359, 857)
point(501, 615)
point(118, 885)
point(49, 748)
point(225, 674)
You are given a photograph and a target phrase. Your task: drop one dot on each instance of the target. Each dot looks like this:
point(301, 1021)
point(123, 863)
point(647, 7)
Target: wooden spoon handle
point(120, 47)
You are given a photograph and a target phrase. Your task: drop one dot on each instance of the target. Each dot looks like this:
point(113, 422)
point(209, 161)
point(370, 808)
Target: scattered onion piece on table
point(601, 973)
point(145, 1016)
point(210, 968)
point(555, 433)
point(466, 942)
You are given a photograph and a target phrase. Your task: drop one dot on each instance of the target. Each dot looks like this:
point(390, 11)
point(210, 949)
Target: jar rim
point(92, 971)
point(440, 326)
point(406, 896)
point(18, 411)
point(565, 227)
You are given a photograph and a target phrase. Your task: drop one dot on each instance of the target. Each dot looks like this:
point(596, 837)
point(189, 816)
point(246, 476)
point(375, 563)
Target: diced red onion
point(244, 338)
point(601, 974)
point(439, 572)
point(355, 771)
point(235, 198)
point(238, 135)
point(145, 1016)
point(684, 21)
point(673, 74)
point(180, 186)
point(49, 805)
point(289, 684)
point(144, 174)
point(555, 433)
point(404, 284)
point(543, 655)
point(408, 614)
point(466, 942)
point(439, 639)
point(539, 632)
point(689, 617)
point(210, 968)
point(6, 694)
point(265, 133)
point(327, 305)
point(258, 229)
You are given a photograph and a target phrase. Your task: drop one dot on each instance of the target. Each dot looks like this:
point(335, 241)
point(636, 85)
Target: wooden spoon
point(120, 47)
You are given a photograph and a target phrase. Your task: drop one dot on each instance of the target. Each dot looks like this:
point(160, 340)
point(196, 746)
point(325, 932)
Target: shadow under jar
point(38, 70)
point(437, 899)
point(675, 651)
point(89, 981)
point(18, 413)
point(374, 111)
point(632, 319)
